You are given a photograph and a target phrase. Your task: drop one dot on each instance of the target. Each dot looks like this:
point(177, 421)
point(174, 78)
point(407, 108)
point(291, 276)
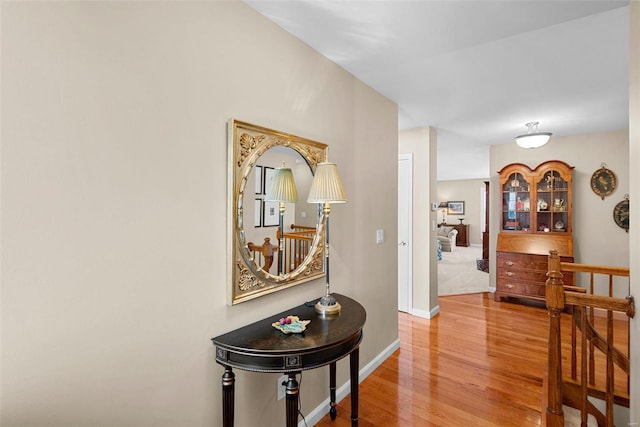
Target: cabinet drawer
point(519, 274)
point(525, 261)
point(531, 275)
point(518, 287)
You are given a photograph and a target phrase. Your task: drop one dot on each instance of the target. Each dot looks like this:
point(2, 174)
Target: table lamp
point(326, 188)
point(281, 188)
point(443, 208)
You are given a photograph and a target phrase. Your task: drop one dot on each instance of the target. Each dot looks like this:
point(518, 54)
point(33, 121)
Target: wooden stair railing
point(573, 390)
point(263, 254)
point(297, 244)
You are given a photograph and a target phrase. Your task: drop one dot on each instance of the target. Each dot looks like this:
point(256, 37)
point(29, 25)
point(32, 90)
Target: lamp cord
point(300, 400)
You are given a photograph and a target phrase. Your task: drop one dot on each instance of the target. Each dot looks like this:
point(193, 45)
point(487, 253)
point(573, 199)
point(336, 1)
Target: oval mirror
point(262, 259)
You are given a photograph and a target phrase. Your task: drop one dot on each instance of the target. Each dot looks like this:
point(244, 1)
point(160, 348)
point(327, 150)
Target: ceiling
point(477, 71)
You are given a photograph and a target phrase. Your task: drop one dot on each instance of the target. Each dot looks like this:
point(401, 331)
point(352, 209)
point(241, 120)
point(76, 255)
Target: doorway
point(405, 229)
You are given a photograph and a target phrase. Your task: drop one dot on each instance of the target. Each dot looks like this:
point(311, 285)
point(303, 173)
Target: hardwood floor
point(478, 363)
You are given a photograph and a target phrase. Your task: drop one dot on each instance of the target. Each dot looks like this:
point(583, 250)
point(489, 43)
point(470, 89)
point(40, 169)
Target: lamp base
point(328, 306)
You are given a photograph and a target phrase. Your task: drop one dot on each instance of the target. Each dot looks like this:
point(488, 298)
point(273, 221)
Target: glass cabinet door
point(516, 203)
point(552, 203)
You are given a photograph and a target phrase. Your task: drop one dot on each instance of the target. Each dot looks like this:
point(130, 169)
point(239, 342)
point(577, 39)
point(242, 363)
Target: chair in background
point(447, 237)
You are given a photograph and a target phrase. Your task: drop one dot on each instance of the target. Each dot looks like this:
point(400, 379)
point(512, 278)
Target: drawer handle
point(509, 286)
point(509, 263)
point(510, 273)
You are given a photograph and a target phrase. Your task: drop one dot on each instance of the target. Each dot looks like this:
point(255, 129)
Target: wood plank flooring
point(478, 363)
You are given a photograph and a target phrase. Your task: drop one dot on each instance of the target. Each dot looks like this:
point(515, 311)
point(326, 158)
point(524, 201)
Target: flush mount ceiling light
point(533, 138)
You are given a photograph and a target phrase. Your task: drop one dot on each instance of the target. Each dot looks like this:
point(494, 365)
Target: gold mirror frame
point(246, 143)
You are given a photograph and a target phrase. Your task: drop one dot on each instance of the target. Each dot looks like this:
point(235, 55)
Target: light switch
point(379, 236)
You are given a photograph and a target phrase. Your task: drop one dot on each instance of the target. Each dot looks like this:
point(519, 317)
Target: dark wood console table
point(259, 347)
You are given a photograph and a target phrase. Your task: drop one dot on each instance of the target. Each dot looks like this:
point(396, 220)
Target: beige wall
point(113, 206)
point(468, 191)
point(594, 238)
point(634, 179)
point(597, 239)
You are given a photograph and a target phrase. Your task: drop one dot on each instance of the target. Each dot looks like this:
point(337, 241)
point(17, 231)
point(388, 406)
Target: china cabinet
point(535, 217)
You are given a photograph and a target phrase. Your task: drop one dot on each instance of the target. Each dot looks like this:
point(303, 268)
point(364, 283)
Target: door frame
point(409, 214)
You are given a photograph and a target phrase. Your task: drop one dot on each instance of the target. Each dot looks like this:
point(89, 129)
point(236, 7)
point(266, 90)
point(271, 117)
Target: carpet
point(458, 272)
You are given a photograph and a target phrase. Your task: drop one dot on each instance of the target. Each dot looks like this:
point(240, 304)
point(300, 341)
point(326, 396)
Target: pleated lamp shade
point(281, 187)
point(326, 185)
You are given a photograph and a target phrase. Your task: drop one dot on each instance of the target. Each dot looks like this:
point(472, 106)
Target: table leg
point(332, 390)
point(292, 392)
point(228, 391)
point(354, 367)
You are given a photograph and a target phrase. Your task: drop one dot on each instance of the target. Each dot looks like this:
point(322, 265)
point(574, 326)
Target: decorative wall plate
point(621, 214)
point(603, 182)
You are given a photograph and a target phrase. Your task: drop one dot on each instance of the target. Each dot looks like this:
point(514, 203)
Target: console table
point(259, 347)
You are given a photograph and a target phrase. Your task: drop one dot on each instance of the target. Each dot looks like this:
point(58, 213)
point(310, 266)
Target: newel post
point(554, 293)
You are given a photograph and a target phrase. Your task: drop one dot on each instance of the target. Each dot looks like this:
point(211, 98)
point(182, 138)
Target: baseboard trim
point(425, 314)
point(341, 392)
point(434, 311)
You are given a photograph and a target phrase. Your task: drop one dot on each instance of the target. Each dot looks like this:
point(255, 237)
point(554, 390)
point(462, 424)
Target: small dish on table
point(291, 325)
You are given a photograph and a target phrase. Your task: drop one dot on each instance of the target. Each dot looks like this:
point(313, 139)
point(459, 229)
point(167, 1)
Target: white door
point(405, 199)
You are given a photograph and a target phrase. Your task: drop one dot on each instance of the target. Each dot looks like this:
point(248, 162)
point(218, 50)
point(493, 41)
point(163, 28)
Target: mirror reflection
point(261, 230)
point(261, 259)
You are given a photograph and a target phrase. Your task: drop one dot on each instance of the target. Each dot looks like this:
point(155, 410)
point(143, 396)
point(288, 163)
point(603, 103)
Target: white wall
point(113, 206)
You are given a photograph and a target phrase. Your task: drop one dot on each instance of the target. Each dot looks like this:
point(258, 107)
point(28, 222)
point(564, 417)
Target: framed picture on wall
point(257, 218)
point(268, 174)
point(270, 214)
point(455, 208)
point(258, 181)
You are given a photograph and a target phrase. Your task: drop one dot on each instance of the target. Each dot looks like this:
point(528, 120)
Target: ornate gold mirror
point(255, 246)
